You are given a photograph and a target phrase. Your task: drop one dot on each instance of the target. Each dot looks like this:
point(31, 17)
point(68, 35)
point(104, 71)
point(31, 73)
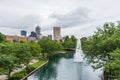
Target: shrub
point(19, 75)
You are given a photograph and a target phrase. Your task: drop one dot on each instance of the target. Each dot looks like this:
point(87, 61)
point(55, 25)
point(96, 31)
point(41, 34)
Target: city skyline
point(75, 17)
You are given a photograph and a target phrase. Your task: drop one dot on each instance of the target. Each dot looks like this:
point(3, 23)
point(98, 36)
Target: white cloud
point(73, 18)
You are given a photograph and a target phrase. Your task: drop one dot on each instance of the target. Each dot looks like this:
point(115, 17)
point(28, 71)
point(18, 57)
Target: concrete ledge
point(25, 78)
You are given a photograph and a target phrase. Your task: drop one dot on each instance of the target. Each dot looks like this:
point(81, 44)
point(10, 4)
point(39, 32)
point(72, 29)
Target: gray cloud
point(73, 18)
point(18, 22)
point(29, 21)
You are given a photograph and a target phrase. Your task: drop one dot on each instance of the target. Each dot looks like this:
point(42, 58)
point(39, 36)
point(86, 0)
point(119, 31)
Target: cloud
point(68, 14)
point(73, 18)
point(17, 21)
point(29, 21)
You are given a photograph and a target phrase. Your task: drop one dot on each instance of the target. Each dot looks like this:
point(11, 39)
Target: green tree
point(69, 43)
point(113, 65)
point(8, 62)
point(101, 47)
point(35, 49)
point(49, 47)
point(73, 38)
point(6, 48)
point(2, 37)
point(23, 53)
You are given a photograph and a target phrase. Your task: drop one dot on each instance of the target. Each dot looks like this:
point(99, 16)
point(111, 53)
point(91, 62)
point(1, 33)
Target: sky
point(75, 17)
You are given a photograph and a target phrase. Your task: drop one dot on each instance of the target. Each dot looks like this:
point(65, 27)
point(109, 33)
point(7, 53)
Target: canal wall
point(25, 78)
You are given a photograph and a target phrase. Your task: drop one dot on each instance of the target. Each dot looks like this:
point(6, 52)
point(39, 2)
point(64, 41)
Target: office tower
point(38, 30)
point(57, 33)
point(23, 33)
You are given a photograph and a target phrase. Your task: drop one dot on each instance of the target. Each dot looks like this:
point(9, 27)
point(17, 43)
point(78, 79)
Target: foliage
point(19, 75)
point(49, 47)
point(69, 43)
point(114, 64)
point(8, 62)
point(100, 49)
point(12, 55)
point(23, 53)
point(35, 49)
point(2, 71)
point(2, 37)
point(6, 48)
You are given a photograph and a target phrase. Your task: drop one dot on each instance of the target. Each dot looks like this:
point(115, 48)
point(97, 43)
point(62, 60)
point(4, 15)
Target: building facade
point(57, 33)
point(15, 38)
point(31, 39)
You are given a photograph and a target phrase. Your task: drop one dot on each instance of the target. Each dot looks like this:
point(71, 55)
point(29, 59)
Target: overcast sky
point(75, 17)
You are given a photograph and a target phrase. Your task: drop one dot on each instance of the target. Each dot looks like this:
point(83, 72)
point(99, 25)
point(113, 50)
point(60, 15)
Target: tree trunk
point(27, 70)
point(9, 71)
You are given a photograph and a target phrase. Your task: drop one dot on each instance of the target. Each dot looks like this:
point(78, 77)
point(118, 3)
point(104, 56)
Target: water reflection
point(62, 67)
point(79, 70)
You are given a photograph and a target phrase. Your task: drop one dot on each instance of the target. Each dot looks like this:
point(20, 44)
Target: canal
point(63, 67)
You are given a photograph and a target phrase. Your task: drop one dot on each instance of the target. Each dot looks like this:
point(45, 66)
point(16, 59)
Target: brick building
point(15, 38)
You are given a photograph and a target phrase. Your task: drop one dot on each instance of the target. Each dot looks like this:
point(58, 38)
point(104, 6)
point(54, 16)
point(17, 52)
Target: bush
point(18, 76)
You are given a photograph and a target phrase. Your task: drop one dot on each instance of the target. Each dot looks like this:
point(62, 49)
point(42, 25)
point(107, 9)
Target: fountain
point(78, 56)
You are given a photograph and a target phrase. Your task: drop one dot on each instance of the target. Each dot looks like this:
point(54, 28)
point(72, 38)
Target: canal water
point(63, 67)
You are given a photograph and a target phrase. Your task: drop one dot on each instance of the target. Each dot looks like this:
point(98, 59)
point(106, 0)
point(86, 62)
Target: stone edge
point(25, 78)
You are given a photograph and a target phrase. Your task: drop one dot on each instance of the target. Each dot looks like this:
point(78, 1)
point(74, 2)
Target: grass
point(37, 64)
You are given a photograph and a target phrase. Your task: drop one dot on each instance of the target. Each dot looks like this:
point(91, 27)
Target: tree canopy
point(13, 55)
point(49, 47)
point(103, 49)
point(69, 42)
point(2, 37)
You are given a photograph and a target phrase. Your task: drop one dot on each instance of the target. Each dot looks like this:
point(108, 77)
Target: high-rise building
point(23, 33)
point(57, 33)
point(38, 30)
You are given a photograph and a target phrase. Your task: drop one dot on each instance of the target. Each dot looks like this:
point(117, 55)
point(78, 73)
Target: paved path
point(3, 77)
